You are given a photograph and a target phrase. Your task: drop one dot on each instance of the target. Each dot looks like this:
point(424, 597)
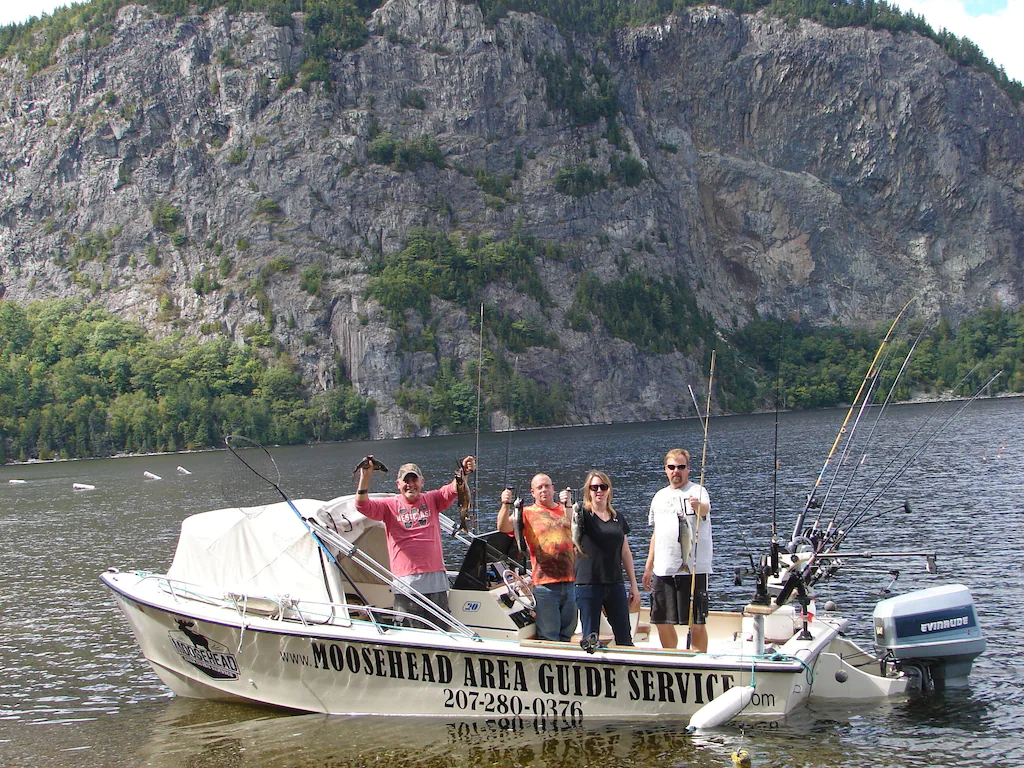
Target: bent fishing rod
point(871, 374)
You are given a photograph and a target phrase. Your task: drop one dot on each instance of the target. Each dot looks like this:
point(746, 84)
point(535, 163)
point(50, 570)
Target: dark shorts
point(670, 600)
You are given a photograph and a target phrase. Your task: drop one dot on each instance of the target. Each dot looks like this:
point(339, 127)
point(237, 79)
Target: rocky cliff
point(177, 176)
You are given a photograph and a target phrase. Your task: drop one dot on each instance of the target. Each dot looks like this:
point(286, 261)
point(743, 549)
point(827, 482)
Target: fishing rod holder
point(930, 558)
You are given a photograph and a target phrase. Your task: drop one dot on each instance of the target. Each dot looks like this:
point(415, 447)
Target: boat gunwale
point(659, 657)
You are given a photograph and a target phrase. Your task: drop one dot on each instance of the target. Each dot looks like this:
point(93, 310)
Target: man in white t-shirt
point(673, 559)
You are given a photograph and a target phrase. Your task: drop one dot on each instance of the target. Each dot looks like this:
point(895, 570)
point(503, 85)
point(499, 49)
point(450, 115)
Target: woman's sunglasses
point(599, 487)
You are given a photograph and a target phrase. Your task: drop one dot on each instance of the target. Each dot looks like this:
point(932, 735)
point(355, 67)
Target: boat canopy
point(268, 551)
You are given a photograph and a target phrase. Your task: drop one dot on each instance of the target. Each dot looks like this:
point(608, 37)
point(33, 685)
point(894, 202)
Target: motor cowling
point(934, 632)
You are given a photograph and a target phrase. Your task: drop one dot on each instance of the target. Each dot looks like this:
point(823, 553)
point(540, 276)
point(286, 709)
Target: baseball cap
point(407, 469)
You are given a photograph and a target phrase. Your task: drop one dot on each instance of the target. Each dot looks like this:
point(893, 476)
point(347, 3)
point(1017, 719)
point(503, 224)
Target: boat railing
point(287, 608)
point(275, 607)
point(352, 552)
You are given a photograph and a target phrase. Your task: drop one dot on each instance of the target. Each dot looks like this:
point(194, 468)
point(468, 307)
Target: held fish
point(369, 461)
point(517, 525)
point(577, 528)
point(465, 500)
point(685, 535)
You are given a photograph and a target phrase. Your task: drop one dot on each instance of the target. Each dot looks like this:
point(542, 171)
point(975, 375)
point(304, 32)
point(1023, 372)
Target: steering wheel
point(519, 589)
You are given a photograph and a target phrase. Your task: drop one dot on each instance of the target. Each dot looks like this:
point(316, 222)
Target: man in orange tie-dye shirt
point(549, 539)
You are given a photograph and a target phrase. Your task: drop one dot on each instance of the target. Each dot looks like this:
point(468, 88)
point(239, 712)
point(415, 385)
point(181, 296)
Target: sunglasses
point(674, 467)
point(599, 487)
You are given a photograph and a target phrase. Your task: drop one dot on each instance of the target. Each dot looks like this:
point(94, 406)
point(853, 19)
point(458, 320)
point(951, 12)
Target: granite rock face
point(174, 176)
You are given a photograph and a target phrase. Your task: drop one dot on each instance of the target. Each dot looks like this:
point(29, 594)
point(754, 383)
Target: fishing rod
point(684, 538)
point(842, 429)
point(479, 393)
point(905, 506)
point(696, 522)
point(865, 402)
point(508, 443)
point(775, 471)
point(707, 418)
point(269, 473)
point(843, 534)
point(871, 432)
point(896, 456)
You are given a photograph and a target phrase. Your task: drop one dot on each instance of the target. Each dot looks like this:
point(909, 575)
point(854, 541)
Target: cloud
point(996, 32)
point(22, 10)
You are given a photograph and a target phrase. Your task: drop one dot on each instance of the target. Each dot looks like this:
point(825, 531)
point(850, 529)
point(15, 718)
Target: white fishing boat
point(290, 605)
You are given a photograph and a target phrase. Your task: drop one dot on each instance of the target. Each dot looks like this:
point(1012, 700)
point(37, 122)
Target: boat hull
point(354, 667)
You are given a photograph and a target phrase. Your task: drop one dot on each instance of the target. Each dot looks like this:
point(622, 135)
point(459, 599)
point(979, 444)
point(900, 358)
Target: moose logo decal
point(209, 657)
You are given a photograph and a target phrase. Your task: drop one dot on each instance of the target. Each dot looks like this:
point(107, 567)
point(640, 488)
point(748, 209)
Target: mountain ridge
point(776, 169)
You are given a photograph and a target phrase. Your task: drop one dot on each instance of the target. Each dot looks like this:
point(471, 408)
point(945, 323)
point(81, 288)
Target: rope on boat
point(808, 671)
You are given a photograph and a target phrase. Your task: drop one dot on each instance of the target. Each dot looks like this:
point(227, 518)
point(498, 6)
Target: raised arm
point(505, 512)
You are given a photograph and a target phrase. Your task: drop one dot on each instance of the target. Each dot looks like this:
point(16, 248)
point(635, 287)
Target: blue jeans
point(612, 597)
point(556, 611)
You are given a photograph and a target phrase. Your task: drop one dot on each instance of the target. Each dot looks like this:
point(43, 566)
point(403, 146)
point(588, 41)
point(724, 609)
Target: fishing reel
point(766, 567)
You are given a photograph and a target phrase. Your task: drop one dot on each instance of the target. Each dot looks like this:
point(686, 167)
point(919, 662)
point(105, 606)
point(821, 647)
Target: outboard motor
point(931, 634)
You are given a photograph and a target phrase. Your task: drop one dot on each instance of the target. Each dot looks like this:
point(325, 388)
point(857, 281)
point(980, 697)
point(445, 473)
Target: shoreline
point(913, 401)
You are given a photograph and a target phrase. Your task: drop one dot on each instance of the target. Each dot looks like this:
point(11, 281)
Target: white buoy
point(722, 708)
point(82, 487)
point(151, 476)
point(183, 471)
point(16, 482)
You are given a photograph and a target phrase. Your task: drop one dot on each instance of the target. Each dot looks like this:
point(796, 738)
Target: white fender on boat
point(150, 476)
point(16, 482)
point(82, 487)
point(183, 471)
point(722, 708)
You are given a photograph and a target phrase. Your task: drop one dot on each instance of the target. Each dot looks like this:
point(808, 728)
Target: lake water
point(75, 691)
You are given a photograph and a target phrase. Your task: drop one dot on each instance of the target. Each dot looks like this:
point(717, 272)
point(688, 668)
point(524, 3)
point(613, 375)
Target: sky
point(993, 25)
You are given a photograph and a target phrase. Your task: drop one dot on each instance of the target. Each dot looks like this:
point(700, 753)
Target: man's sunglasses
point(674, 467)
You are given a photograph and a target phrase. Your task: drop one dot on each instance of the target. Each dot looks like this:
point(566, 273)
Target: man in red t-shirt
point(413, 532)
point(548, 534)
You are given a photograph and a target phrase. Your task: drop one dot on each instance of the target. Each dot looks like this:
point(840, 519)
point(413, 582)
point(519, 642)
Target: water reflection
point(187, 735)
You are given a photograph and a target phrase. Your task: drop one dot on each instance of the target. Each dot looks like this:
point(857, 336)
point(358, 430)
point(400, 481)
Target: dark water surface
point(75, 691)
